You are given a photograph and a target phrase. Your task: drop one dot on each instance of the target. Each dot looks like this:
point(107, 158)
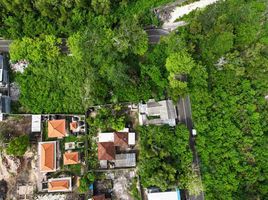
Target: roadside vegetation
point(165, 153)
point(228, 89)
point(105, 41)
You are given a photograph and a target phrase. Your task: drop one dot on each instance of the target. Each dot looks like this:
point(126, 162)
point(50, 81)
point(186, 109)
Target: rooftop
point(70, 158)
point(99, 197)
point(60, 184)
point(47, 156)
point(106, 151)
point(161, 112)
point(121, 139)
point(172, 195)
point(36, 123)
point(57, 128)
point(125, 160)
point(73, 126)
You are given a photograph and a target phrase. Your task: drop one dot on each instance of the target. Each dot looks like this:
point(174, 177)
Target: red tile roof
point(99, 197)
point(70, 158)
point(47, 156)
point(59, 185)
point(106, 151)
point(121, 139)
point(73, 126)
point(56, 128)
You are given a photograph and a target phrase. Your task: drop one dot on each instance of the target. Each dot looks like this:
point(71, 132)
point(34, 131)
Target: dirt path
point(18, 171)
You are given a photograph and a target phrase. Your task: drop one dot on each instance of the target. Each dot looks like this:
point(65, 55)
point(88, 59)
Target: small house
point(71, 158)
point(157, 113)
point(60, 184)
point(57, 128)
point(47, 156)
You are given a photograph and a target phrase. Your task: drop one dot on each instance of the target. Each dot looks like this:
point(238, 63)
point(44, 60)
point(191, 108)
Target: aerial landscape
point(134, 100)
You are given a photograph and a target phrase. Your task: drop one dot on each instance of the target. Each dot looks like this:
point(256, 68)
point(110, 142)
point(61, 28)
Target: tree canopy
point(164, 154)
point(223, 51)
point(227, 90)
point(18, 146)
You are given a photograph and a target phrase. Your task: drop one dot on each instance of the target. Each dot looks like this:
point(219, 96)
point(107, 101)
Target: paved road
point(185, 116)
point(154, 34)
point(4, 45)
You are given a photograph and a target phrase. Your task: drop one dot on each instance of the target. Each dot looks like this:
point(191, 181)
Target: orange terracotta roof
point(121, 139)
point(73, 126)
point(47, 157)
point(56, 128)
point(106, 151)
point(70, 158)
point(99, 197)
point(59, 185)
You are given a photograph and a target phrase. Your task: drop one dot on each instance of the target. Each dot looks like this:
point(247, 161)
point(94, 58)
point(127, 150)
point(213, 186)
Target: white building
point(111, 137)
point(157, 113)
point(172, 195)
point(36, 123)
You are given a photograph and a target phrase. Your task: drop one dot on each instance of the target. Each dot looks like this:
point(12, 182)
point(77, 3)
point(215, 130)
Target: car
point(194, 133)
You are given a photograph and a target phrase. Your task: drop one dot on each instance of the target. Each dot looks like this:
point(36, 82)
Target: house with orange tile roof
point(47, 156)
point(60, 184)
point(71, 158)
point(73, 126)
point(57, 128)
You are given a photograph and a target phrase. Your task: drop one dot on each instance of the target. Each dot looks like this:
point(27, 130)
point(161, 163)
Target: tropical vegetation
point(219, 59)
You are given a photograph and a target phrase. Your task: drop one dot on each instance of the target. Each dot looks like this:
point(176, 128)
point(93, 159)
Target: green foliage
point(75, 169)
point(35, 50)
point(106, 43)
point(101, 6)
point(227, 96)
point(135, 193)
point(193, 182)
point(163, 153)
point(18, 146)
point(109, 118)
point(178, 65)
point(85, 181)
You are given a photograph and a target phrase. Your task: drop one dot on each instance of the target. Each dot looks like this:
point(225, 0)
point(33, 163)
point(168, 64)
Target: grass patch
point(71, 138)
point(134, 192)
point(75, 169)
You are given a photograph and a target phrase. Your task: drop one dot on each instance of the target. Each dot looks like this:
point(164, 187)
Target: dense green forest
point(106, 44)
point(165, 153)
point(223, 51)
point(228, 88)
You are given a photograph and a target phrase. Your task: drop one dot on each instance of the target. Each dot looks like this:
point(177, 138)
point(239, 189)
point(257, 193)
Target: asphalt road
point(185, 116)
point(154, 34)
point(4, 45)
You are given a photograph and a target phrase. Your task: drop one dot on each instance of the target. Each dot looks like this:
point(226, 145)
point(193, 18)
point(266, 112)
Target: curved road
point(154, 34)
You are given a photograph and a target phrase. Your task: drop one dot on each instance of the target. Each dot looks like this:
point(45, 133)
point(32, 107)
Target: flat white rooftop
point(36, 123)
point(173, 195)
